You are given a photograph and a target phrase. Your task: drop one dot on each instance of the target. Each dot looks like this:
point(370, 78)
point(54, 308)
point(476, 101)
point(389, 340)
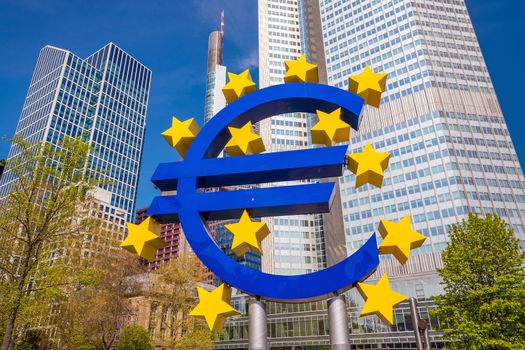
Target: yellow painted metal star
point(214, 306)
point(244, 141)
point(330, 128)
point(144, 239)
point(181, 134)
point(369, 85)
point(399, 238)
point(380, 299)
point(300, 71)
point(368, 166)
point(247, 235)
point(238, 86)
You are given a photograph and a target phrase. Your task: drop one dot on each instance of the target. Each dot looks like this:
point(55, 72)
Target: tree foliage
point(93, 312)
point(46, 206)
point(483, 307)
point(196, 339)
point(134, 337)
point(175, 288)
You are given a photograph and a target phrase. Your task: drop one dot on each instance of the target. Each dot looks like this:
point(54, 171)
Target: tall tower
point(103, 98)
point(439, 118)
point(451, 152)
point(297, 243)
point(214, 100)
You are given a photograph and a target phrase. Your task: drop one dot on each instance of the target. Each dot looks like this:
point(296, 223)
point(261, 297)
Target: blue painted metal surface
point(201, 169)
point(267, 201)
point(315, 163)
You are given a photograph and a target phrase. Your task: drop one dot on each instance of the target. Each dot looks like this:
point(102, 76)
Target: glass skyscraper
point(451, 152)
point(214, 100)
point(102, 98)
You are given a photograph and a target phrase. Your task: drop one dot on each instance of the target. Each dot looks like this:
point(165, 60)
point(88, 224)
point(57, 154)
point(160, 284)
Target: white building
point(451, 152)
point(296, 245)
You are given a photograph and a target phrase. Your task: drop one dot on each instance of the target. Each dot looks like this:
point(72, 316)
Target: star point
point(399, 238)
point(181, 134)
point(330, 128)
point(368, 166)
point(300, 71)
point(369, 85)
point(144, 239)
point(380, 299)
point(244, 141)
point(247, 235)
point(214, 307)
point(238, 86)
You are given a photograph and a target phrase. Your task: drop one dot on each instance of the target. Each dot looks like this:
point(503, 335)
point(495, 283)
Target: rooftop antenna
point(222, 22)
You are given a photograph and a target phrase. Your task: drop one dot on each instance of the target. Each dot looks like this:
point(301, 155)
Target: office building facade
point(297, 244)
point(451, 152)
point(102, 99)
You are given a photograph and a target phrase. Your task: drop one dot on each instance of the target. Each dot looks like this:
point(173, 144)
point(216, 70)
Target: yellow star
point(399, 238)
point(330, 128)
point(380, 299)
point(144, 239)
point(247, 235)
point(244, 141)
point(181, 134)
point(369, 85)
point(368, 166)
point(238, 86)
point(214, 306)
point(300, 71)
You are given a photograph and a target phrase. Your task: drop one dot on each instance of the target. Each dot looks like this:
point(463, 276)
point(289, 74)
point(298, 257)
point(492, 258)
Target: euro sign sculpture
point(201, 169)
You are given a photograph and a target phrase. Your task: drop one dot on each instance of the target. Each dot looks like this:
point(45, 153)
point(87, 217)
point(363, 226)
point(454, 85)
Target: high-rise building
point(451, 152)
point(172, 233)
point(297, 244)
point(214, 100)
point(102, 98)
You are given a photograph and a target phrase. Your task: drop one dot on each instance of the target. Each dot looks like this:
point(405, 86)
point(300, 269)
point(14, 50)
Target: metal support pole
point(426, 336)
point(338, 322)
point(415, 323)
point(257, 337)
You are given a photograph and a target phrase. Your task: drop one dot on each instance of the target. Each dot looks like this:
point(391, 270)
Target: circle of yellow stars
point(368, 166)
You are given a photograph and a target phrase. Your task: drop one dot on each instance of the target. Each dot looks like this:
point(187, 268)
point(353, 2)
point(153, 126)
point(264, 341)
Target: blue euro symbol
point(201, 168)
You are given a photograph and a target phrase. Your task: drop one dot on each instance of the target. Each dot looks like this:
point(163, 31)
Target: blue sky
point(170, 37)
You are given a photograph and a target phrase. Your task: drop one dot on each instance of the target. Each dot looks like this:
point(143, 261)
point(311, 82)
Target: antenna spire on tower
point(222, 22)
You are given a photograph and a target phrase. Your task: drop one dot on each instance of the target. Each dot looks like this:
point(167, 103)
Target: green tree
point(101, 301)
point(196, 339)
point(174, 285)
point(32, 340)
point(483, 307)
point(134, 337)
point(46, 206)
